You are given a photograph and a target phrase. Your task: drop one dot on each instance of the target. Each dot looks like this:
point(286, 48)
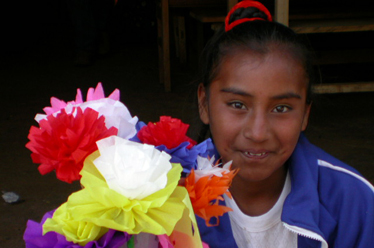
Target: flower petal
point(132, 169)
point(96, 203)
point(63, 142)
point(206, 193)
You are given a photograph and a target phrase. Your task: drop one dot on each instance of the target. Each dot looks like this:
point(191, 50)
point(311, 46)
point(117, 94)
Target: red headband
point(246, 4)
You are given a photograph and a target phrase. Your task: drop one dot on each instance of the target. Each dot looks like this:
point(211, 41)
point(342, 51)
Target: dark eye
point(281, 109)
point(237, 105)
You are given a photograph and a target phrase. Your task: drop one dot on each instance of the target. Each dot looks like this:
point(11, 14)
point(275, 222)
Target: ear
point(203, 104)
point(304, 124)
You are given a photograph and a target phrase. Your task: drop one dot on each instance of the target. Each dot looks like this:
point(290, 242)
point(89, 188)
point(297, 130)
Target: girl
point(255, 96)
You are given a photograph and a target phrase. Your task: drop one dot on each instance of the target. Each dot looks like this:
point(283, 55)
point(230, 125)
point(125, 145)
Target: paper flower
point(183, 153)
point(34, 237)
point(96, 203)
point(188, 157)
point(92, 94)
point(134, 170)
point(208, 167)
point(116, 113)
point(77, 231)
point(206, 186)
point(63, 142)
point(170, 132)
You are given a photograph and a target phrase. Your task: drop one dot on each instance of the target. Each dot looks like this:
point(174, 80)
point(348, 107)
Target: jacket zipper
point(306, 233)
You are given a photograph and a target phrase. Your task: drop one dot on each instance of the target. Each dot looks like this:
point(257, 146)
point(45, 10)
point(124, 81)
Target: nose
point(256, 127)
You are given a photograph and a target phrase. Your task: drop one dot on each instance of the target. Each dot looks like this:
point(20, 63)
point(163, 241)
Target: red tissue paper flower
point(170, 132)
point(63, 142)
point(206, 193)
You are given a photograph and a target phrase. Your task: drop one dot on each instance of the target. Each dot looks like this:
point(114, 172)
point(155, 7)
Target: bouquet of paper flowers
point(141, 184)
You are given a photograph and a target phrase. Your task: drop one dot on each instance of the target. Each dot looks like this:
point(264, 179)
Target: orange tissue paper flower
point(170, 132)
point(62, 142)
point(206, 192)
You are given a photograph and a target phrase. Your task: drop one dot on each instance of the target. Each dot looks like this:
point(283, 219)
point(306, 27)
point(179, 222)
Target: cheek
point(287, 133)
point(223, 121)
point(291, 123)
point(223, 129)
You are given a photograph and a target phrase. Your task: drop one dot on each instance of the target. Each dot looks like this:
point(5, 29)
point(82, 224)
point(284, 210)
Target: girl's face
point(256, 108)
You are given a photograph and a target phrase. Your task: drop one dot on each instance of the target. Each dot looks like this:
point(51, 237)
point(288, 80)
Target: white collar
point(262, 222)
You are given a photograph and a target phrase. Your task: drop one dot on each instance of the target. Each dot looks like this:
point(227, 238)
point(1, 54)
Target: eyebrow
point(286, 95)
point(235, 91)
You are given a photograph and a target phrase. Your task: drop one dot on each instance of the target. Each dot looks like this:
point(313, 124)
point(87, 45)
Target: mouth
point(256, 154)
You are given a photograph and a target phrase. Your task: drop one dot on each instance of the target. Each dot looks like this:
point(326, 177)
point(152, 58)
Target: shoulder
point(344, 192)
point(337, 174)
point(333, 174)
point(348, 198)
point(345, 199)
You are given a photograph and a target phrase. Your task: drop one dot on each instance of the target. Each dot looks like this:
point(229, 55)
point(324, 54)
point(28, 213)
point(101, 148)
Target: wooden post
point(165, 45)
point(230, 4)
point(282, 11)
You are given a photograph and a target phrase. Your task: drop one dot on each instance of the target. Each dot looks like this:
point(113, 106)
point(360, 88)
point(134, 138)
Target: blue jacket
point(330, 204)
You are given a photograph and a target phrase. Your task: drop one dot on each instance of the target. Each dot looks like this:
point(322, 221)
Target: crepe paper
point(187, 157)
point(34, 237)
point(98, 204)
point(170, 132)
point(146, 240)
point(98, 93)
point(138, 126)
point(92, 94)
point(207, 167)
point(130, 243)
point(131, 169)
point(205, 245)
point(206, 149)
point(63, 142)
point(206, 193)
point(77, 231)
point(182, 155)
point(165, 241)
point(186, 232)
point(116, 113)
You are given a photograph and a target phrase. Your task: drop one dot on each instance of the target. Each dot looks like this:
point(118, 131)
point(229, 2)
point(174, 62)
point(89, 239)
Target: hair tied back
point(246, 4)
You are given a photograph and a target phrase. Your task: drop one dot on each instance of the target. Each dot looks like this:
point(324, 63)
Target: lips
point(256, 154)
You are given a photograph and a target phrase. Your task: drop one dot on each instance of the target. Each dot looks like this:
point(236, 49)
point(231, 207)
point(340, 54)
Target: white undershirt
point(265, 230)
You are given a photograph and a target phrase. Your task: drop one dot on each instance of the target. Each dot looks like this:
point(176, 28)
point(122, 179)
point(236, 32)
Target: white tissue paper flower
point(132, 169)
point(115, 112)
point(206, 167)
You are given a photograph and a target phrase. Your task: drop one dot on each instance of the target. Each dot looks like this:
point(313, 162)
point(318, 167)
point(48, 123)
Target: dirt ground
point(341, 124)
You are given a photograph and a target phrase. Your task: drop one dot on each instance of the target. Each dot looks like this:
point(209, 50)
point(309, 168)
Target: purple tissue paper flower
point(34, 237)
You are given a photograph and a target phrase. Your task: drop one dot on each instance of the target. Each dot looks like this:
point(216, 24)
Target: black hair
point(258, 36)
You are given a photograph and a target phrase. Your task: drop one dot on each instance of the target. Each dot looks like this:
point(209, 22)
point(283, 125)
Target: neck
point(255, 198)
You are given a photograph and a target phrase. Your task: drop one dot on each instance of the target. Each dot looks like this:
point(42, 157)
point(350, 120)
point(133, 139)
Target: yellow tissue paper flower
point(96, 203)
point(80, 232)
